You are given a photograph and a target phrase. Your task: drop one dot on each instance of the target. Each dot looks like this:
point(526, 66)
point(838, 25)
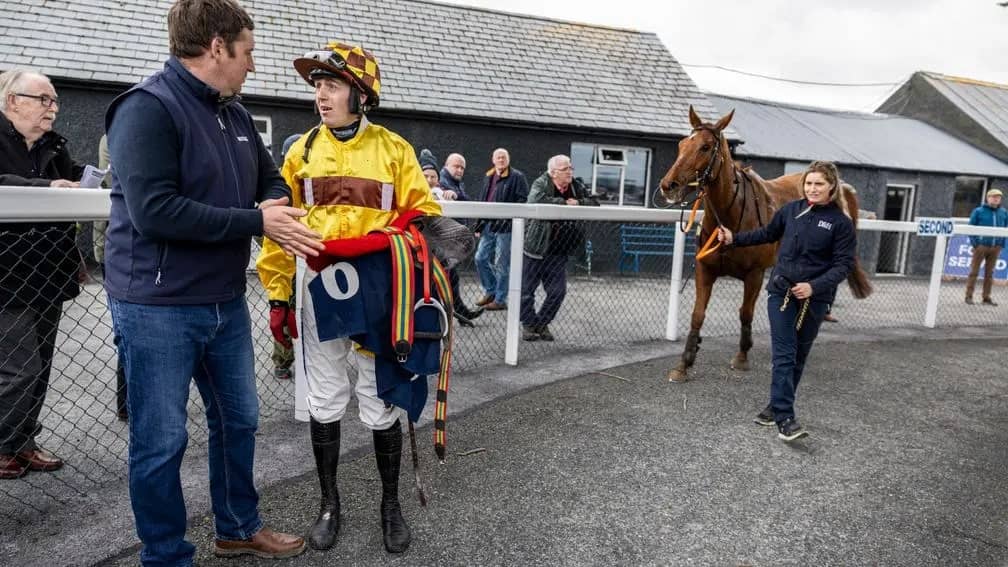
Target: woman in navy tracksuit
point(818, 244)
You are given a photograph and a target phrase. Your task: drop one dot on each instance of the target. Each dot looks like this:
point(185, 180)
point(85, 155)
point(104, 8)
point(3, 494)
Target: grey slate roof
point(435, 57)
point(801, 133)
point(987, 103)
point(959, 101)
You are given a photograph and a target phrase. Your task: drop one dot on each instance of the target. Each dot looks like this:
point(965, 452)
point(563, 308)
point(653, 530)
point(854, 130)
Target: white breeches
point(323, 370)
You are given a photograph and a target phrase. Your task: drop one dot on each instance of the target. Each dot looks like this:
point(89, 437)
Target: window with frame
point(969, 194)
point(795, 167)
point(615, 175)
point(264, 125)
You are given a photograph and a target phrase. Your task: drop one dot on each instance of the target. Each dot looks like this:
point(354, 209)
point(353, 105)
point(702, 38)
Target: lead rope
point(801, 314)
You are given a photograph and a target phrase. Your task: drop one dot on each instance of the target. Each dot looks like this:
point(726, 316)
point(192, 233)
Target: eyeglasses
point(46, 100)
point(565, 168)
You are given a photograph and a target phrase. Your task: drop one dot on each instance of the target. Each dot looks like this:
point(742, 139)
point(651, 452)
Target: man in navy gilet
point(189, 168)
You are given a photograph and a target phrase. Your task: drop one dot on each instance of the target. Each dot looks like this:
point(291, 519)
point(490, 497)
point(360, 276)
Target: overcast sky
point(851, 41)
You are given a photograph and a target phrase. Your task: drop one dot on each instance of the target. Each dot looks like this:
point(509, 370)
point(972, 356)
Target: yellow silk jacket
point(349, 189)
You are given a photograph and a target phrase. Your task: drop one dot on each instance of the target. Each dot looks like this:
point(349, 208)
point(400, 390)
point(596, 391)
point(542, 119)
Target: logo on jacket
point(826, 225)
point(242, 138)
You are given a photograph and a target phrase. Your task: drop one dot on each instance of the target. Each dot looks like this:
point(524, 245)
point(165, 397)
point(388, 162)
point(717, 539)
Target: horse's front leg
point(753, 282)
point(704, 284)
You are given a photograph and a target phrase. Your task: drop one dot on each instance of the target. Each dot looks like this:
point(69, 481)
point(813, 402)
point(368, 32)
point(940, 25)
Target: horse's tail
point(858, 281)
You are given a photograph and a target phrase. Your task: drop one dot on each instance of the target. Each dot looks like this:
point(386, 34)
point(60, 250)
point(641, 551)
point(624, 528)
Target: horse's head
point(697, 160)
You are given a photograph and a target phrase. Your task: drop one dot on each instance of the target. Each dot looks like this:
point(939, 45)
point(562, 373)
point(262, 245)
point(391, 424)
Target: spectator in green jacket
point(547, 245)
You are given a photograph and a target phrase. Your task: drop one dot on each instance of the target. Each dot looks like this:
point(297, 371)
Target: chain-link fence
point(900, 267)
point(79, 417)
point(611, 266)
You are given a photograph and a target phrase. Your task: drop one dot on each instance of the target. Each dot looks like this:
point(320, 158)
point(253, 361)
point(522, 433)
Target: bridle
point(704, 181)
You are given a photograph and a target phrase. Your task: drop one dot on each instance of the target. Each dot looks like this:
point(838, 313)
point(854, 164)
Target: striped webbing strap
point(403, 290)
point(405, 245)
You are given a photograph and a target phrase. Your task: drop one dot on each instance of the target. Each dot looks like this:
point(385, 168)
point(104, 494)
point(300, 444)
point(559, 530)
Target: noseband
point(703, 179)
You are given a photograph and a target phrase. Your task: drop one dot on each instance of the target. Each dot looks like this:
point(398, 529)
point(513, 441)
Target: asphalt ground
point(904, 465)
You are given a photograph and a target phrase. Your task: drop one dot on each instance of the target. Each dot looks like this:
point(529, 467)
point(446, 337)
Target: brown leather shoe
point(494, 306)
point(40, 460)
point(267, 544)
point(11, 467)
point(486, 299)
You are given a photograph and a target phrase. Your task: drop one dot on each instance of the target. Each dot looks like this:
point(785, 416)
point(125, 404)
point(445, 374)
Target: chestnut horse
point(741, 200)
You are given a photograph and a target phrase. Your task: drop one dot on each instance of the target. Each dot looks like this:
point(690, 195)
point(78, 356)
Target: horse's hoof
point(742, 365)
point(676, 375)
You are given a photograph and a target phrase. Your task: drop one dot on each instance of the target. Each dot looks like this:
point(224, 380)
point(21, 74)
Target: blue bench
point(646, 240)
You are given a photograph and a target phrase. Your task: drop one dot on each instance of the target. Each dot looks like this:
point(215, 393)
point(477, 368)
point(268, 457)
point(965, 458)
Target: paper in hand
point(92, 177)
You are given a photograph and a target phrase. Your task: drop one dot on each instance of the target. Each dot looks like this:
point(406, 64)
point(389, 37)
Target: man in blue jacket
point(986, 249)
point(189, 168)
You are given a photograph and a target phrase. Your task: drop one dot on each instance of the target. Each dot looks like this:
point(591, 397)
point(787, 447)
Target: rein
point(703, 181)
point(712, 245)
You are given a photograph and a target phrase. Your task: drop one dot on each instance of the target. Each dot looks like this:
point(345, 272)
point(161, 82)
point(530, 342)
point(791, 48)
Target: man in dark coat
point(39, 265)
point(503, 184)
point(450, 178)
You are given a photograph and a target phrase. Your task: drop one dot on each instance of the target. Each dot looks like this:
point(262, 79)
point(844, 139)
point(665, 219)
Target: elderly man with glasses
point(39, 266)
point(548, 243)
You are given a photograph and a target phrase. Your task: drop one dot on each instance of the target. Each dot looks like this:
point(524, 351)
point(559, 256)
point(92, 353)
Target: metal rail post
point(672, 319)
point(934, 289)
point(514, 291)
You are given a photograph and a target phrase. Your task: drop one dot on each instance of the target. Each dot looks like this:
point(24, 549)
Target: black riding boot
point(388, 452)
point(462, 311)
point(325, 439)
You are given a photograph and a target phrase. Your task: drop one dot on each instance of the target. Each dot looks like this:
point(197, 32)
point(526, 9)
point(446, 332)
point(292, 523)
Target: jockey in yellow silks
point(352, 177)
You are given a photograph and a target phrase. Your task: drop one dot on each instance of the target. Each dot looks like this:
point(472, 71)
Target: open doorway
point(894, 247)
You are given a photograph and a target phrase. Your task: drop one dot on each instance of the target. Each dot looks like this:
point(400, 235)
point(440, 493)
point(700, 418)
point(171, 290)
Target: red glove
point(281, 315)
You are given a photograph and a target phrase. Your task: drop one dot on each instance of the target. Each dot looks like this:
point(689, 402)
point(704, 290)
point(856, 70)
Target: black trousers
point(27, 343)
point(551, 272)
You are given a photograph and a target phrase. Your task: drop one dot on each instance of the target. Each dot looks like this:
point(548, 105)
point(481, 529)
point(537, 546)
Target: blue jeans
point(163, 348)
point(791, 347)
point(493, 263)
point(551, 271)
